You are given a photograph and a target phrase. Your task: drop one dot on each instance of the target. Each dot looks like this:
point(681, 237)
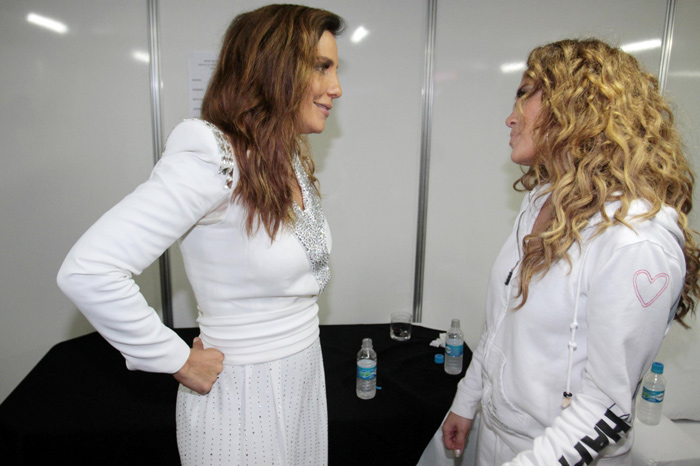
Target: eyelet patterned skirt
point(262, 414)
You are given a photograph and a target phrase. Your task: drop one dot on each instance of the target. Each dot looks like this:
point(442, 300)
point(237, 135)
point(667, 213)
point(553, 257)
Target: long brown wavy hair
point(604, 133)
point(263, 72)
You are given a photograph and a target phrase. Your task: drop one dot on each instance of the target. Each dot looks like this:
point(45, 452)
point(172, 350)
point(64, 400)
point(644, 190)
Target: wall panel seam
point(157, 133)
point(667, 45)
point(427, 119)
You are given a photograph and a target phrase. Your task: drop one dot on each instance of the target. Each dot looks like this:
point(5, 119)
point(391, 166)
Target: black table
point(82, 406)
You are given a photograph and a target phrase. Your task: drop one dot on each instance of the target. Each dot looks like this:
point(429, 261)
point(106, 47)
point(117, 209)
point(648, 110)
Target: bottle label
point(366, 373)
point(652, 396)
point(454, 350)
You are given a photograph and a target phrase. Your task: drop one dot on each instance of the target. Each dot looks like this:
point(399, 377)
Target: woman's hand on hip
point(455, 431)
point(201, 369)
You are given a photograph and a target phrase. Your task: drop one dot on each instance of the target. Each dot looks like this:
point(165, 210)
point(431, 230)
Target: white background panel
point(367, 159)
point(683, 84)
point(471, 203)
point(76, 137)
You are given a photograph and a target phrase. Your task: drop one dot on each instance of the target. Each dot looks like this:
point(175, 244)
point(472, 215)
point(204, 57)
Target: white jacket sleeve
point(97, 273)
point(630, 294)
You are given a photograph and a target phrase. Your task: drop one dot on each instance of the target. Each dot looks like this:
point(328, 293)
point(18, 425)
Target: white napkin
point(439, 342)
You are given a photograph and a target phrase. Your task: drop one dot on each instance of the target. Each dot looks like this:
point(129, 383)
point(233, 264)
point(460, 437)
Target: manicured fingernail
point(458, 453)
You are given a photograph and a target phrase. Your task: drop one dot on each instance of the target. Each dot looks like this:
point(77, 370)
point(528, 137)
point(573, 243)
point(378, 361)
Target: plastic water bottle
point(454, 349)
point(366, 385)
point(651, 401)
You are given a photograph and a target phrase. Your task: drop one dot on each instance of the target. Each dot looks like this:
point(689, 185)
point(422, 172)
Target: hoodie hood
point(666, 217)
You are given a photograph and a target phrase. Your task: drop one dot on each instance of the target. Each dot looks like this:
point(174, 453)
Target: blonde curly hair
point(604, 133)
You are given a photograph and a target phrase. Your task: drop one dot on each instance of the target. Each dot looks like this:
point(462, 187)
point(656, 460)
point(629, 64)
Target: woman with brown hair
point(237, 189)
point(599, 262)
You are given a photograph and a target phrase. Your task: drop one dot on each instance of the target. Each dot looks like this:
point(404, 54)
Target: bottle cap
point(367, 343)
point(455, 322)
point(657, 368)
point(439, 358)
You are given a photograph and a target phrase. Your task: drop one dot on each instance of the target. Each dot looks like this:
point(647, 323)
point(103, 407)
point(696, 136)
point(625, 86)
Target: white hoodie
point(621, 289)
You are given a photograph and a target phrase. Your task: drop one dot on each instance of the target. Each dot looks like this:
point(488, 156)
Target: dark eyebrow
point(325, 61)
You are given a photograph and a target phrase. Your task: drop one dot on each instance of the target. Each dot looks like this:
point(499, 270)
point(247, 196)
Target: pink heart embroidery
point(649, 289)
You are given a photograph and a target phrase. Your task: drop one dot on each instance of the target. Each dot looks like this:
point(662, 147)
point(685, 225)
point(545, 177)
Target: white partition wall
point(371, 157)
point(683, 84)
point(367, 159)
point(471, 201)
point(77, 136)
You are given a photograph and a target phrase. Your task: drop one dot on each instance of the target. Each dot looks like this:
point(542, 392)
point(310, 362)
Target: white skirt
point(261, 414)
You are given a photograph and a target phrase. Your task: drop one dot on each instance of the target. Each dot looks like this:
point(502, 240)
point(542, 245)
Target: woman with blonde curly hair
point(236, 188)
point(600, 261)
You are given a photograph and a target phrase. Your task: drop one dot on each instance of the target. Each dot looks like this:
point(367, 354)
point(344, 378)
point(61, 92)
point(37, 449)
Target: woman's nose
point(511, 119)
point(335, 90)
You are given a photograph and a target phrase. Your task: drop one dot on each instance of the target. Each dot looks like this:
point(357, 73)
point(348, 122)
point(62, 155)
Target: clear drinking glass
point(400, 327)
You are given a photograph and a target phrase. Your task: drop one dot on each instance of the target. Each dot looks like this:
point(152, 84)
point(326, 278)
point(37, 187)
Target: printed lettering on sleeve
point(648, 288)
point(609, 429)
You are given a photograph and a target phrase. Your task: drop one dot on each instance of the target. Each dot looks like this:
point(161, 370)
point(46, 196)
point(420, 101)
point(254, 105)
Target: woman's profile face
point(324, 87)
point(521, 125)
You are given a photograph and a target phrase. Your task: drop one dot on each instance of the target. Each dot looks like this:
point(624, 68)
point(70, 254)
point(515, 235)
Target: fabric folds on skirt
point(272, 413)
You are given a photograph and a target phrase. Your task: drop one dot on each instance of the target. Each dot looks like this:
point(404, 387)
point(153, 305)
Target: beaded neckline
point(310, 227)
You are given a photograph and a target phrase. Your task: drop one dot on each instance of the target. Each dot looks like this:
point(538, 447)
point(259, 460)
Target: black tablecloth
point(82, 406)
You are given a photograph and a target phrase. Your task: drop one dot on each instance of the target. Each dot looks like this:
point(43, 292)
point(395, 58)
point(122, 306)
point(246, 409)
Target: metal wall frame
point(424, 175)
point(157, 127)
point(667, 45)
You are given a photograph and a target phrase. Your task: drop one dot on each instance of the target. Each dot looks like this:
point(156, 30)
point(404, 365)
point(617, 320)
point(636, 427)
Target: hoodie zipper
point(517, 244)
point(502, 313)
